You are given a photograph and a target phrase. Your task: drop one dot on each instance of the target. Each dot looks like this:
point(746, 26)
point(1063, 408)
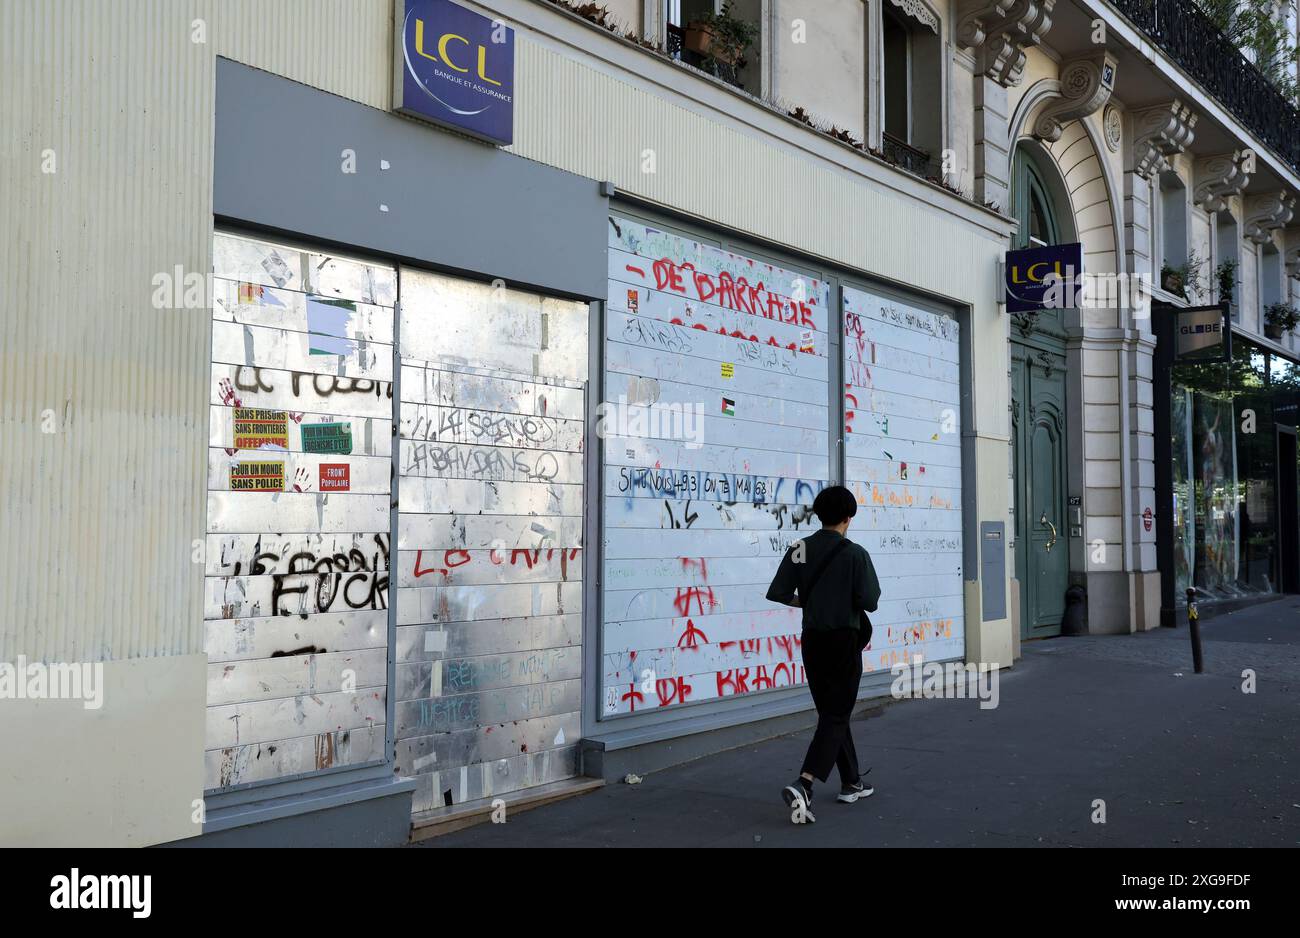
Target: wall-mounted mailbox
point(993, 569)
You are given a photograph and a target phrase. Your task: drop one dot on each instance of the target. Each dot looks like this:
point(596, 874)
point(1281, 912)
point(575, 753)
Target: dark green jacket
point(848, 585)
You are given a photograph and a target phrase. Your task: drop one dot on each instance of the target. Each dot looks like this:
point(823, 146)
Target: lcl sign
point(1044, 278)
point(456, 68)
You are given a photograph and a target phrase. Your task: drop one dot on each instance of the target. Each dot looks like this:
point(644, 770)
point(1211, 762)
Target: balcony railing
point(1200, 48)
point(914, 160)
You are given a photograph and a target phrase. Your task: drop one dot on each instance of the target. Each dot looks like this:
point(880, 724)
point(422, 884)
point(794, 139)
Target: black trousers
point(832, 664)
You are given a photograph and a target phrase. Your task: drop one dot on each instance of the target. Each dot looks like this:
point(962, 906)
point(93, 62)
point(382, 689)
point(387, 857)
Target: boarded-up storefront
point(902, 449)
point(489, 562)
point(715, 445)
point(298, 479)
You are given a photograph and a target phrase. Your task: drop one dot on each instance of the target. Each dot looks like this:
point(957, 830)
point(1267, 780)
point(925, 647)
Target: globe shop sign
point(455, 68)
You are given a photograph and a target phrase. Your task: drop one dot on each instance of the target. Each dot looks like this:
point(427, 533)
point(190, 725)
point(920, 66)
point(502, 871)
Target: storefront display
point(1226, 419)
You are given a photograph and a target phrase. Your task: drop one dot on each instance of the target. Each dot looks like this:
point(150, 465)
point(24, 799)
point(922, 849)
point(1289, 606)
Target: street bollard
point(1194, 626)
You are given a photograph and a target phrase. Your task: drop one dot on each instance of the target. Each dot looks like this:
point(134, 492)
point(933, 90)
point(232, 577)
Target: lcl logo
point(457, 69)
point(444, 56)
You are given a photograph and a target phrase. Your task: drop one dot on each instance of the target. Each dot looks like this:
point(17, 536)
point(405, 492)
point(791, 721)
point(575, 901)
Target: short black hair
point(834, 504)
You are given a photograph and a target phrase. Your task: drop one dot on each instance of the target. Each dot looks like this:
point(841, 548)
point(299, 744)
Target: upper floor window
point(1227, 257)
point(1033, 205)
point(716, 36)
point(1172, 218)
point(911, 80)
point(897, 78)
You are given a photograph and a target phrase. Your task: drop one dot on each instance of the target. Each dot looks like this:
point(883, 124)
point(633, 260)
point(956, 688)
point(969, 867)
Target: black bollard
point(1074, 622)
point(1194, 626)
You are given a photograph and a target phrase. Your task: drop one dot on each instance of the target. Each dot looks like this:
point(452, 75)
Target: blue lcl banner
point(456, 68)
point(1044, 278)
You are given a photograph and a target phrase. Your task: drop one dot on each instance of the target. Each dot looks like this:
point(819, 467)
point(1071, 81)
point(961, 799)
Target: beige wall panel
point(104, 509)
point(827, 72)
point(341, 46)
point(124, 775)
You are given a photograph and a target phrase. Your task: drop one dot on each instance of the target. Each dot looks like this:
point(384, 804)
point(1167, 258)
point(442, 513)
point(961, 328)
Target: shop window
point(697, 428)
point(492, 485)
point(911, 85)
point(1232, 528)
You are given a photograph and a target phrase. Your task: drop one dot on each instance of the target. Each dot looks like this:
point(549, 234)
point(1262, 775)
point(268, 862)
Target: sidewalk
point(1180, 760)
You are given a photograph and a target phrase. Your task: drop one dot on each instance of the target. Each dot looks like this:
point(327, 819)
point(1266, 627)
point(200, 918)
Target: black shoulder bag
point(864, 623)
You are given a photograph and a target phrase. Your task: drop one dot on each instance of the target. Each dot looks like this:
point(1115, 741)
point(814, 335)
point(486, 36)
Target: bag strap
point(806, 594)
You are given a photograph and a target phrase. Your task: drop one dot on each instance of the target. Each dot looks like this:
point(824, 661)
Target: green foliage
point(1187, 277)
point(1258, 28)
point(731, 38)
point(1282, 316)
point(1226, 273)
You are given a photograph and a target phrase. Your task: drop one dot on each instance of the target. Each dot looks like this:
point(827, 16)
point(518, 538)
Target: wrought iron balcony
point(1199, 47)
point(677, 48)
point(676, 40)
point(915, 161)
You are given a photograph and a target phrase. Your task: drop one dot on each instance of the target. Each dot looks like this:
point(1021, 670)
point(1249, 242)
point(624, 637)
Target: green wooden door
point(1038, 441)
point(1038, 424)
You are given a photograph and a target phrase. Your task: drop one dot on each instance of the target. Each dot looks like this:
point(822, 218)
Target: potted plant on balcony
point(1183, 279)
point(1172, 279)
point(1227, 277)
point(1279, 319)
point(721, 40)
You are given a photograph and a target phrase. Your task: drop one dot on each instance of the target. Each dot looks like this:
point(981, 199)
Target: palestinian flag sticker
point(728, 407)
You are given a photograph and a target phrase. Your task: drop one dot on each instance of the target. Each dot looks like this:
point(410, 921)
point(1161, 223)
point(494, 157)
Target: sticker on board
point(254, 294)
point(335, 477)
point(257, 477)
point(728, 407)
point(328, 322)
point(277, 269)
point(728, 370)
point(332, 438)
point(256, 428)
